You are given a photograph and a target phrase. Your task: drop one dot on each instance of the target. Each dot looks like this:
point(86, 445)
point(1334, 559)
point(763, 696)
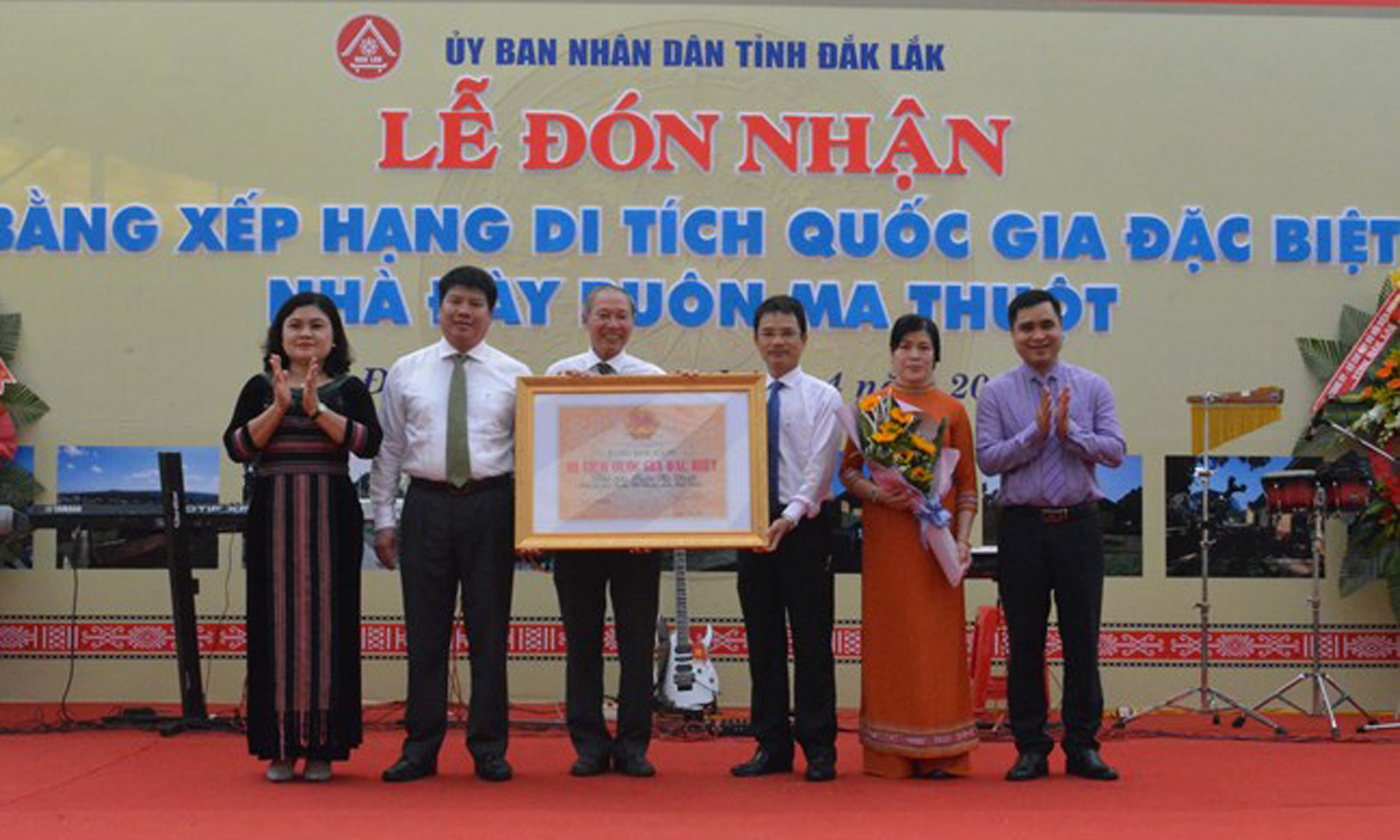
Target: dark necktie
point(459, 454)
point(604, 369)
point(775, 417)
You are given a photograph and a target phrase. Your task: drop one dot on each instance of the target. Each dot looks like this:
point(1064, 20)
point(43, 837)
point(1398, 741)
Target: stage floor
point(1183, 777)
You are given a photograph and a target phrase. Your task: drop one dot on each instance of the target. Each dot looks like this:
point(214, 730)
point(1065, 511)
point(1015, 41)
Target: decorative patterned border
point(104, 637)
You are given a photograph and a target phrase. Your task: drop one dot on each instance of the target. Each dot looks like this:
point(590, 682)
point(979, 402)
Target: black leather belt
point(1054, 515)
point(471, 487)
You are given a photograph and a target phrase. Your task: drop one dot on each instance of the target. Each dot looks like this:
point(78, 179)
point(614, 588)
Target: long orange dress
point(916, 701)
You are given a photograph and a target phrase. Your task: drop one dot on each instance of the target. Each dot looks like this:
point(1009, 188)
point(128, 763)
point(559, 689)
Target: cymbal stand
point(1315, 675)
point(1211, 700)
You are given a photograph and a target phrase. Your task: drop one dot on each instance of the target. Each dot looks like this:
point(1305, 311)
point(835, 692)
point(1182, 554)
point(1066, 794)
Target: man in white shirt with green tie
point(448, 413)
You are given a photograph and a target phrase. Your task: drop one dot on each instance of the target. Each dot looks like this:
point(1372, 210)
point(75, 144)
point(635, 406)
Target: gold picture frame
point(676, 461)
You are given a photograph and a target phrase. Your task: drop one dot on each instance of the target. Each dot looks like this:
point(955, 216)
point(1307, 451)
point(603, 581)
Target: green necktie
point(459, 455)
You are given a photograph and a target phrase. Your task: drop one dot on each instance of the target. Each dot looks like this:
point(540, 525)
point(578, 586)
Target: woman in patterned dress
point(296, 424)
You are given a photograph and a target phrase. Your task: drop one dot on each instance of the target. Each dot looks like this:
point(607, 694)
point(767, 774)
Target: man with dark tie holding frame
point(1043, 427)
point(584, 579)
point(448, 413)
point(790, 581)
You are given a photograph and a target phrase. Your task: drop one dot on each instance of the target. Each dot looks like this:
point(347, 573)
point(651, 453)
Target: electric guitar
point(686, 678)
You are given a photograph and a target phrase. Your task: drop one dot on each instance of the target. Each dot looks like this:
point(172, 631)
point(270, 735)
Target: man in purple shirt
point(1043, 427)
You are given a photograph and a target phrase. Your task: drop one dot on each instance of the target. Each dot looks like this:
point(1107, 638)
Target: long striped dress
point(303, 544)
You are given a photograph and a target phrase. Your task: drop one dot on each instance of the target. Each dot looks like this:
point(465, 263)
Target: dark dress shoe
point(822, 770)
point(408, 770)
point(762, 764)
point(635, 766)
point(1028, 766)
point(589, 766)
point(1086, 764)
point(493, 769)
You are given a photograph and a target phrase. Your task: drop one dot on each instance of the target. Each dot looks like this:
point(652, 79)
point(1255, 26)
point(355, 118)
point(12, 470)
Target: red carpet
point(1217, 783)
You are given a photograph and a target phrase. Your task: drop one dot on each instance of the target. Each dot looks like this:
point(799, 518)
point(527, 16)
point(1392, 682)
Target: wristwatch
point(320, 407)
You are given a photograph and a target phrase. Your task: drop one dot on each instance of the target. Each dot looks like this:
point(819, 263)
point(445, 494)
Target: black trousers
point(583, 580)
point(449, 543)
point(1034, 559)
point(793, 585)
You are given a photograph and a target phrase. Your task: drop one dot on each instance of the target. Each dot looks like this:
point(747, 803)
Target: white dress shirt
point(808, 443)
point(413, 415)
point(622, 364)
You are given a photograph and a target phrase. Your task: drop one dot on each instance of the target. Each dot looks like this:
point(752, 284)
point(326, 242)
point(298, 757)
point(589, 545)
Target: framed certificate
point(641, 462)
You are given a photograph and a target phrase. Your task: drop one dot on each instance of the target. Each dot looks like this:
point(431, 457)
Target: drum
point(1347, 495)
point(1289, 491)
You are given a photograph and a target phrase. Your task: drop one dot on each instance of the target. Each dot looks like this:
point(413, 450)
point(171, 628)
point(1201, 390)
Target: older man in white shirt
point(448, 413)
point(584, 580)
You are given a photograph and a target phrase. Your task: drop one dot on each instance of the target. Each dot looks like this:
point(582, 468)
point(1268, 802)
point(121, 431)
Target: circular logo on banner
point(368, 46)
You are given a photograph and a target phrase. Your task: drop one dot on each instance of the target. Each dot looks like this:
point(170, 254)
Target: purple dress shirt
point(1009, 443)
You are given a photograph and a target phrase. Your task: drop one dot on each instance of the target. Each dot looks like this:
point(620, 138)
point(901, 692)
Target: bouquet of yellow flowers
point(889, 436)
point(900, 451)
